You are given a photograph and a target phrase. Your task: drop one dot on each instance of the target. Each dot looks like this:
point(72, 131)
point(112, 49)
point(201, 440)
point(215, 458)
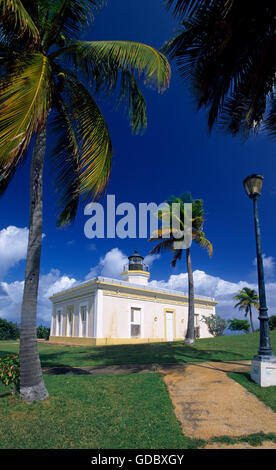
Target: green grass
point(222, 348)
point(252, 439)
point(103, 412)
point(265, 394)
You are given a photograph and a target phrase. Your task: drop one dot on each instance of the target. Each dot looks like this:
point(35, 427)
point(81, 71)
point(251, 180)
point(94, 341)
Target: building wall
point(75, 304)
point(116, 317)
point(113, 325)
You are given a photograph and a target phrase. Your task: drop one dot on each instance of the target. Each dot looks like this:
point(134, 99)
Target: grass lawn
point(120, 411)
point(103, 412)
point(222, 348)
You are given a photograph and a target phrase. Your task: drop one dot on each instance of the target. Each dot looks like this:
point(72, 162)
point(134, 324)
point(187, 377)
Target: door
point(169, 326)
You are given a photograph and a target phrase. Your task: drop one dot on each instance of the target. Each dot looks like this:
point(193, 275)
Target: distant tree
point(216, 325)
point(8, 330)
point(43, 332)
point(247, 297)
point(272, 322)
point(238, 325)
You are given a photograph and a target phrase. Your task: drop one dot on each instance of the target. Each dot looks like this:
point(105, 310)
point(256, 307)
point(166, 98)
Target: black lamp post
point(253, 186)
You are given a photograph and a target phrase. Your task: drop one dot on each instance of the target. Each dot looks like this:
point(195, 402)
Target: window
point(135, 322)
point(83, 320)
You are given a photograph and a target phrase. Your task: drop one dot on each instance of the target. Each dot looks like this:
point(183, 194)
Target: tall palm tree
point(246, 298)
point(173, 233)
point(45, 71)
point(225, 49)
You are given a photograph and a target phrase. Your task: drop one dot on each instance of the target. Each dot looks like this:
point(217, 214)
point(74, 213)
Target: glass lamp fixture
point(253, 185)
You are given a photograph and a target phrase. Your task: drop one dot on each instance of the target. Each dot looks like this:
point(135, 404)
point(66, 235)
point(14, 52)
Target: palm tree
point(45, 71)
point(173, 234)
point(224, 48)
point(247, 297)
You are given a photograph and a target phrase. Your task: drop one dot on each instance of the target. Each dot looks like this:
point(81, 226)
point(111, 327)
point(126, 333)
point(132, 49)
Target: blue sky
point(174, 155)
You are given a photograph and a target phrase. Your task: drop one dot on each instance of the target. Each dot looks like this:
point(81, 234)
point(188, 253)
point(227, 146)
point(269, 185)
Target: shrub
point(238, 325)
point(9, 371)
point(272, 322)
point(216, 325)
point(42, 332)
point(8, 330)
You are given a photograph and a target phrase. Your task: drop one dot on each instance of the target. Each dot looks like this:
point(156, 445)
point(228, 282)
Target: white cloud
point(111, 265)
point(13, 247)
point(149, 259)
point(269, 265)
point(11, 295)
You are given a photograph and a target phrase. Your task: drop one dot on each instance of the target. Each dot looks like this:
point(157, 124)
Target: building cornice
point(89, 287)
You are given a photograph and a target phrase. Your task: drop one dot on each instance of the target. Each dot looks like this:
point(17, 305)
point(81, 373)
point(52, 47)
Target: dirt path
point(210, 404)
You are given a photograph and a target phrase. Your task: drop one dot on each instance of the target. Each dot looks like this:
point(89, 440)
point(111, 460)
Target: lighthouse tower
point(136, 271)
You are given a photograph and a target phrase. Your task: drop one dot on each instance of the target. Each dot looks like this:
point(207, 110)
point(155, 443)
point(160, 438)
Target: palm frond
point(186, 7)
point(165, 245)
point(67, 17)
point(131, 98)
point(14, 13)
point(103, 60)
point(92, 148)
point(224, 49)
point(25, 100)
point(200, 239)
point(66, 163)
point(176, 257)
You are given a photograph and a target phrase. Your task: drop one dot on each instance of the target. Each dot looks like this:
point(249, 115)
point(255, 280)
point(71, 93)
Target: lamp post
point(263, 368)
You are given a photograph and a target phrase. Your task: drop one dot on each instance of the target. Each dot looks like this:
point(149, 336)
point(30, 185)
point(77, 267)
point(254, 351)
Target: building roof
point(100, 280)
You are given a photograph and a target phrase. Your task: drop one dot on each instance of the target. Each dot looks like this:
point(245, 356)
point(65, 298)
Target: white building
point(108, 311)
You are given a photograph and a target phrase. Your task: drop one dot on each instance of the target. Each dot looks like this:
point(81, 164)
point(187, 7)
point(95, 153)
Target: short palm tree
point(168, 244)
point(45, 74)
point(246, 298)
point(224, 48)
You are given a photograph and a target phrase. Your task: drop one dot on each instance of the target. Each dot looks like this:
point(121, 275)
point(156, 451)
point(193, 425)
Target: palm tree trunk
point(190, 335)
point(32, 387)
point(251, 321)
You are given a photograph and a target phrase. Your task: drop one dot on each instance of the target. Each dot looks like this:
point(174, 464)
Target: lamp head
point(253, 185)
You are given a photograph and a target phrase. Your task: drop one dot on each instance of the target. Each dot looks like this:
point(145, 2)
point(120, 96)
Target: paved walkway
point(206, 401)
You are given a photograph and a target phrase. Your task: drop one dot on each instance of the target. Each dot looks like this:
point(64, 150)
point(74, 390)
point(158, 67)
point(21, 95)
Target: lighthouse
point(136, 271)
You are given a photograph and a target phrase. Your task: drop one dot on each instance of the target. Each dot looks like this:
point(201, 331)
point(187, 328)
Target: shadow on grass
point(132, 354)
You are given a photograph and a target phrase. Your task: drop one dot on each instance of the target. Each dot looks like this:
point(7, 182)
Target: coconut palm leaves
point(173, 228)
point(37, 82)
point(66, 18)
point(112, 66)
point(134, 57)
point(83, 133)
point(246, 298)
point(14, 14)
point(224, 48)
point(25, 100)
